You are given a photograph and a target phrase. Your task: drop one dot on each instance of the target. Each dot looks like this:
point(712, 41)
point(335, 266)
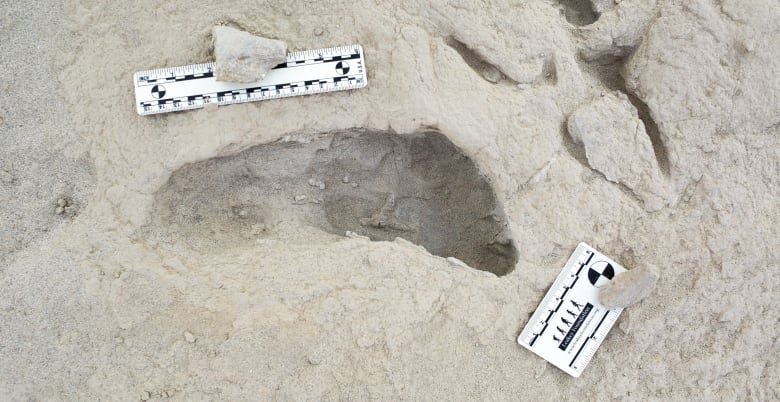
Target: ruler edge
point(545, 301)
point(290, 56)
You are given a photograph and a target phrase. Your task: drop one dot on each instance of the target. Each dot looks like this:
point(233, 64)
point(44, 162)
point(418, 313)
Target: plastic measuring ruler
point(194, 86)
point(569, 325)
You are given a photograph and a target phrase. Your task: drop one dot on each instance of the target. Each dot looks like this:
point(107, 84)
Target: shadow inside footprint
point(487, 71)
point(578, 12)
point(419, 187)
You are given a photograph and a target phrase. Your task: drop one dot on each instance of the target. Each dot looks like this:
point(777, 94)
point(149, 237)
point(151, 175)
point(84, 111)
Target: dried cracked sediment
point(100, 306)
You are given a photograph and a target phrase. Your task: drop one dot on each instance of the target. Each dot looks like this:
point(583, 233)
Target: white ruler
point(569, 325)
point(194, 86)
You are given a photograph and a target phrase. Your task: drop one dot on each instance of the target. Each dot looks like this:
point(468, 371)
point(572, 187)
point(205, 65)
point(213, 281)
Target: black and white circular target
point(158, 91)
point(342, 67)
point(600, 272)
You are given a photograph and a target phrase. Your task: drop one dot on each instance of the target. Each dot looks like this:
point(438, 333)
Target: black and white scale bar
point(560, 298)
point(569, 325)
point(194, 86)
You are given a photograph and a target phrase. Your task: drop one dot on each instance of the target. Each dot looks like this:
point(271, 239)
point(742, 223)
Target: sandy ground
point(171, 257)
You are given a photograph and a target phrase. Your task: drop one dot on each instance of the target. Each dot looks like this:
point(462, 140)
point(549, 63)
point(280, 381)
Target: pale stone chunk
point(242, 57)
point(628, 288)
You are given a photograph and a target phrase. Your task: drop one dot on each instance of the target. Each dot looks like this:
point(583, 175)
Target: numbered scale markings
point(194, 86)
point(569, 325)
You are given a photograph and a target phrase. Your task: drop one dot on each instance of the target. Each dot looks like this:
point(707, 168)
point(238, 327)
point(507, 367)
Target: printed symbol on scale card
point(158, 91)
point(342, 67)
point(569, 325)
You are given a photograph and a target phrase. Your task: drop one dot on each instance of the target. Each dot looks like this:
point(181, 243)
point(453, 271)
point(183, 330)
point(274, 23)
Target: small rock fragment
point(145, 396)
point(345, 180)
point(353, 235)
point(318, 31)
point(628, 288)
point(242, 57)
point(492, 74)
point(65, 207)
point(312, 182)
point(457, 263)
point(189, 337)
point(321, 185)
point(619, 29)
point(299, 198)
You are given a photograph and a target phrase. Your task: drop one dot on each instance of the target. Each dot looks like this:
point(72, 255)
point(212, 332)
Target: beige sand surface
point(163, 283)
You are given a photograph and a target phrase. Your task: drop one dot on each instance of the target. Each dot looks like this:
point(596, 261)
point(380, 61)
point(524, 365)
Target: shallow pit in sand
point(419, 187)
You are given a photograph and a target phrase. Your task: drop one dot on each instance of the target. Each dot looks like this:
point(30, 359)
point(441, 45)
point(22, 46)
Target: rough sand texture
point(42, 156)
point(102, 306)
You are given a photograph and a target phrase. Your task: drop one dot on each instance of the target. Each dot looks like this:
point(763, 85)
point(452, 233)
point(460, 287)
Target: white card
point(569, 325)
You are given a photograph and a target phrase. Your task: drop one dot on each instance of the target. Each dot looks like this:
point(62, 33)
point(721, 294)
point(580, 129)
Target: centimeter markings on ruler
point(304, 73)
point(569, 325)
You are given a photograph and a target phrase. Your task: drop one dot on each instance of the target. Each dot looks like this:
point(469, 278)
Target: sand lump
point(618, 146)
point(242, 57)
point(628, 288)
